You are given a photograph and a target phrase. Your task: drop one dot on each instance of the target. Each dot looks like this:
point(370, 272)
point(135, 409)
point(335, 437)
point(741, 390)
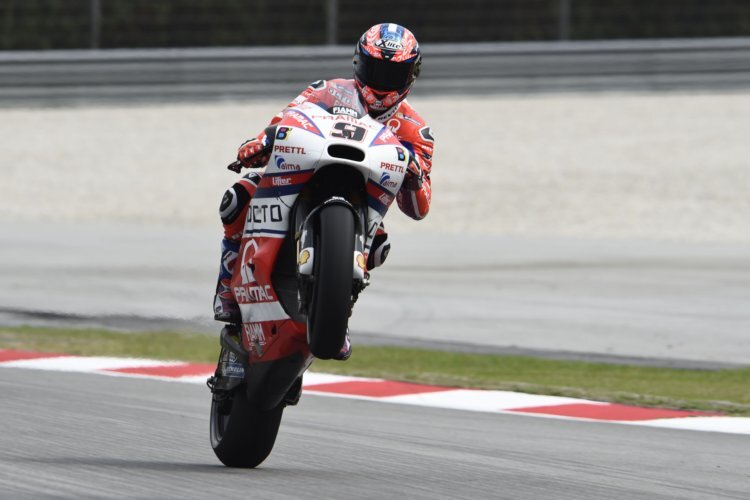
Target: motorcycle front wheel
point(241, 434)
point(331, 300)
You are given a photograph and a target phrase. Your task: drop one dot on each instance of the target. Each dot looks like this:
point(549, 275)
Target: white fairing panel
point(303, 145)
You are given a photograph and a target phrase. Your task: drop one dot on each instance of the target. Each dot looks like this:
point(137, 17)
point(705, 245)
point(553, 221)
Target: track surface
point(674, 304)
point(89, 436)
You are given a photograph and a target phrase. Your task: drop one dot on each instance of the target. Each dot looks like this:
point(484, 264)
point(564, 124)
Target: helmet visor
point(383, 75)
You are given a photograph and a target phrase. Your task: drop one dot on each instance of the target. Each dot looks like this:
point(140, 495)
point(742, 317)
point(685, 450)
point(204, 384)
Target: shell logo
point(304, 257)
point(361, 261)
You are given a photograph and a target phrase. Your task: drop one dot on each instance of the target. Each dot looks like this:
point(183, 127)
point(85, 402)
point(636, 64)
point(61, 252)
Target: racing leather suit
point(339, 96)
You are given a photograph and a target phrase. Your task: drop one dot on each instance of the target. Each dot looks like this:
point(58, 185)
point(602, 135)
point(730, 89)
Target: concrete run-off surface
point(665, 166)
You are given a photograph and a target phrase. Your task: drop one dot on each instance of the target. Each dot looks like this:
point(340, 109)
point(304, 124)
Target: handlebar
point(235, 166)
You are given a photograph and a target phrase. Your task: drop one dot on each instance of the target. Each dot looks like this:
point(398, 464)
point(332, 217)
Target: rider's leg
point(379, 249)
point(233, 211)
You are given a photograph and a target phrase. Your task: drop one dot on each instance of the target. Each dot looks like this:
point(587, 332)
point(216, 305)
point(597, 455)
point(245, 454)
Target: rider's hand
point(414, 176)
point(252, 154)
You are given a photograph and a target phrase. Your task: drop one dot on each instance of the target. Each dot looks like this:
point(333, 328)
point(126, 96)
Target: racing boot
point(346, 350)
point(225, 306)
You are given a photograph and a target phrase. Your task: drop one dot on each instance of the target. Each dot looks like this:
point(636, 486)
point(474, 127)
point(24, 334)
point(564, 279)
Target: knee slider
point(234, 201)
point(379, 251)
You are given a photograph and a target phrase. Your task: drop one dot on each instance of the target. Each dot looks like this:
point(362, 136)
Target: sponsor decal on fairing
point(282, 133)
point(296, 118)
point(265, 213)
point(281, 181)
point(254, 333)
point(247, 294)
point(344, 110)
point(392, 167)
point(305, 261)
point(385, 180)
point(348, 131)
point(296, 150)
point(384, 137)
point(282, 164)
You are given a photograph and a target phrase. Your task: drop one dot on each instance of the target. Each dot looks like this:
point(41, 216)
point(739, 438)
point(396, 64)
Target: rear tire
point(331, 300)
point(241, 434)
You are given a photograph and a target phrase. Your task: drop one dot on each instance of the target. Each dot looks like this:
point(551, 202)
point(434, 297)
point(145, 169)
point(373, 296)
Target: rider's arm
point(251, 153)
point(416, 203)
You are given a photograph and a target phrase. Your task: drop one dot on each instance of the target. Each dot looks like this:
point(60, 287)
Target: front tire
point(331, 300)
point(241, 434)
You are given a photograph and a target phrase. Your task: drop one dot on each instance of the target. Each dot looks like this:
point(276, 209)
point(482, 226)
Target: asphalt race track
point(90, 436)
point(667, 303)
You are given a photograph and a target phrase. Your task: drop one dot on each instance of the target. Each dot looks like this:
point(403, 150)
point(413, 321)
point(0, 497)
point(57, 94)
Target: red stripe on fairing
point(375, 388)
point(376, 190)
point(175, 371)
point(610, 412)
point(297, 177)
point(10, 355)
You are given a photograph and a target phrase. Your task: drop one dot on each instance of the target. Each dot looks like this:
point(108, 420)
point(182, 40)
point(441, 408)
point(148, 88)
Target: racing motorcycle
point(328, 184)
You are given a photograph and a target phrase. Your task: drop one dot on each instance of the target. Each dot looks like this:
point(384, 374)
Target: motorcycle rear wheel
point(331, 300)
point(243, 435)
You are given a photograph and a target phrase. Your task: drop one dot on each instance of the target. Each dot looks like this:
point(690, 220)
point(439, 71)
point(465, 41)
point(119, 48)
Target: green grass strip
point(726, 391)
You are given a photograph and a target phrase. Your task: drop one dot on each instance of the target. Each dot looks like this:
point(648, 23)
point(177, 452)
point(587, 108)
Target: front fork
point(305, 239)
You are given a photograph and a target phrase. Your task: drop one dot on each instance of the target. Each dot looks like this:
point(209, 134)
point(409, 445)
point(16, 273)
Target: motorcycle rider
point(386, 61)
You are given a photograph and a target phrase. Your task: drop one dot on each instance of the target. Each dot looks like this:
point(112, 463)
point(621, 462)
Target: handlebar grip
point(270, 134)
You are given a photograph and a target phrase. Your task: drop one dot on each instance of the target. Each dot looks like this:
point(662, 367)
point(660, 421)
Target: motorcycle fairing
point(302, 147)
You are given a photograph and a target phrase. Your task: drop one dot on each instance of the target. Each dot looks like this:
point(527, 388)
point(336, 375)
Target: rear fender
point(269, 382)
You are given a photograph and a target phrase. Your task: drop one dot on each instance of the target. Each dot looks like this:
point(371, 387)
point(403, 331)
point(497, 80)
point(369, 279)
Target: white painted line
point(315, 378)
point(86, 364)
point(733, 425)
point(492, 401)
